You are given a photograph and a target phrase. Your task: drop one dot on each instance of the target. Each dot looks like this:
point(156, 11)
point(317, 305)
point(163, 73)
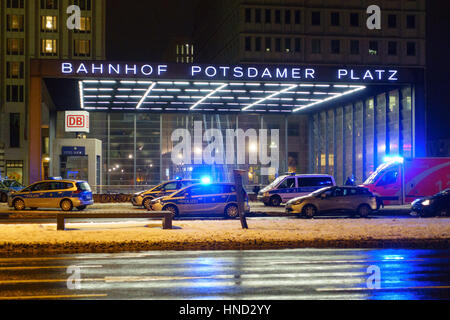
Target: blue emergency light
point(393, 159)
point(206, 180)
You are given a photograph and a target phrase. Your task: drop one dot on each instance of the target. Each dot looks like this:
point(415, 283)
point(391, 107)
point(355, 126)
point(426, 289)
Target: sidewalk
point(226, 235)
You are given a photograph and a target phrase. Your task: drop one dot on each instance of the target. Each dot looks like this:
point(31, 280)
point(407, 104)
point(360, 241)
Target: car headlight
point(426, 203)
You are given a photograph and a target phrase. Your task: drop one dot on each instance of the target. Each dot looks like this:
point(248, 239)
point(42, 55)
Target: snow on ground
point(187, 235)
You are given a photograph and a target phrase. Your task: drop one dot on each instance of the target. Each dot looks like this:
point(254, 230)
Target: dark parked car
point(7, 186)
point(437, 205)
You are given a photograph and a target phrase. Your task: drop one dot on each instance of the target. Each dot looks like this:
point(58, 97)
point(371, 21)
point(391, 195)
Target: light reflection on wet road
point(243, 275)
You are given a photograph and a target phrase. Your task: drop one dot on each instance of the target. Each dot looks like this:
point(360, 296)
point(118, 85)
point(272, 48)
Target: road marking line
point(56, 297)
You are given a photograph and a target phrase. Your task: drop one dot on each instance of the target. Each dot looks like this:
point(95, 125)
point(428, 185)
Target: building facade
point(37, 29)
point(345, 139)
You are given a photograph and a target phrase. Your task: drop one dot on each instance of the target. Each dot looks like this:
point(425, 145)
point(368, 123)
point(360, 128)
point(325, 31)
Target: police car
point(211, 199)
point(164, 189)
point(64, 194)
point(291, 186)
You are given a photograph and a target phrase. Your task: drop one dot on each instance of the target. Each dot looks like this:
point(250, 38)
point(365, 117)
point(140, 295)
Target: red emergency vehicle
point(400, 181)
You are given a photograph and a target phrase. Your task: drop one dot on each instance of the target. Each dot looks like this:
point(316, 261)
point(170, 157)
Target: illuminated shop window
point(48, 47)
point(49, 24)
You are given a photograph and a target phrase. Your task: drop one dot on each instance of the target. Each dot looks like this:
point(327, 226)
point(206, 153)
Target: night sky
point(145, 28)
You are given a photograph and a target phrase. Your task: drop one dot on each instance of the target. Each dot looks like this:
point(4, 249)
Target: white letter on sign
point(74, 21)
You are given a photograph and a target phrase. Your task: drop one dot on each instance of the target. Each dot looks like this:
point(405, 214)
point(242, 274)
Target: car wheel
point(364, 211)
point(231, 211)
point(309, 211)
point(275, 201)
point(66, 205)
point(19, 205)
point(172, 209)
point(146, 203)
point(81, 208)
point(4, 197)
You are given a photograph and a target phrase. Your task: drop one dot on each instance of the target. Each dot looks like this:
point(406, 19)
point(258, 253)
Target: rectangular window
point(315, 18)
point(49, 4)
point(297, 17)
point(335, 19)
point(83, 4)
point(373, 48)
point(248, 44)
point(15, 4)
point(14, 170)
point(14, 22)
point(257, 15)
point(278, 44)
point(48, 47)
point(335, 46)
point(411, 49)
point(15, 47)
point(268, 14)
point(14, 70)
point(14, 93)
point(278, 16)
point(354, 19)
point(248, 15)
point(298, 45)
point(49, 24)
point(268, 44)
point(287, 16)
point(14, 130)
point(392, 21)
point(85, 25)
point(258, 44)
point(392, 48)
point(410, 21)
point(354, 47)
point(82, 48)
point(287, 45)
point(316, 46)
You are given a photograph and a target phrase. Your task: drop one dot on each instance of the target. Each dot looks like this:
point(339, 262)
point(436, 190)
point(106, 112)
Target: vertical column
point(35, 138)
point(419, 122)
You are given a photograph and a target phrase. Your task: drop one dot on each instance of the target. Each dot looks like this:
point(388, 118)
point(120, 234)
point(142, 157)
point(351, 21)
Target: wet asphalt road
point(231, 275)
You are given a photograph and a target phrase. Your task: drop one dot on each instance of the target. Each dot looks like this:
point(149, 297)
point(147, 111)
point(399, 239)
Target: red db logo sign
point(77, 121)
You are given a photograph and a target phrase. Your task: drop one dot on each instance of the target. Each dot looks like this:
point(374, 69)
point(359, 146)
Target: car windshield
point(320, 191)
point(83, 186)
point(11, 184)
point(374, 176)
point(276, 182)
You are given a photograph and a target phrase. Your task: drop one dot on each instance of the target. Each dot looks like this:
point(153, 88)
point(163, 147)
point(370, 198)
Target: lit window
point(82, 48)
point(49, 24)
point(48, 47)
point(85, 25)
point(14, 22)
point(15, 46)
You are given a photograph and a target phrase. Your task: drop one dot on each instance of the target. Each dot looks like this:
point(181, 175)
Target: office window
point(14, 22)
point(258, 44)
point(335, 19)
point(373, 48)
point(15, 4)
point(287, 16)
point(14, 130)
point(248, 44)
point(85, 25)
point(278, 44)
point(14, 93)
point(392, 48)
point(297, 17)
point(49, 4)
point(49, 24)
point(354, 19)
point(287, 45)
point(48, 47)
point(392, 21)
point(410, 21)
point(278, 16)
point(14, 70)
point(82, 48)
point(316, 46)
point(354, 47)
point(315, 18)
point(15, 47)
point(335, 46)
point(248, 15)
point(258, 16)
point(268, 16)
point(268, 44)
point(83, 4)
point(410, 49)
point(298, 45)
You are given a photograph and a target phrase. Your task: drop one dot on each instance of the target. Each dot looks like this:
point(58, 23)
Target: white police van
point(291, 186)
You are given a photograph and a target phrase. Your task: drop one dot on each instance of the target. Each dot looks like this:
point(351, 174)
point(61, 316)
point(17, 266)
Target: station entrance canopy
point(110, 86)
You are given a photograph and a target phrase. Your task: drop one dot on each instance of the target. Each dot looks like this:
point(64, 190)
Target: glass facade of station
point(353, 139)
point(137, 147)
